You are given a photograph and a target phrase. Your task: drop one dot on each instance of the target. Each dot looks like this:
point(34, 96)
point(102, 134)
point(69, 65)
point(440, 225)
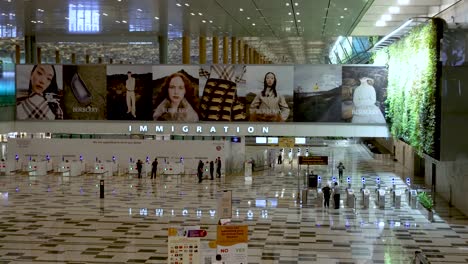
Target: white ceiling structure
point(285, 31)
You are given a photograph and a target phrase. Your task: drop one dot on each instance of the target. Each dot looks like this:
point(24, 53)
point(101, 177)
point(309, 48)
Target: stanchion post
point(101, 189)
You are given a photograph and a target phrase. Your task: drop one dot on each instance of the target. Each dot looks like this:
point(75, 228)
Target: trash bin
point(312, 181)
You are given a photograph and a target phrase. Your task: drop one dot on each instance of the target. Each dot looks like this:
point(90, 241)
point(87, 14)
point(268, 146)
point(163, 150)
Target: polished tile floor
point(55, 219)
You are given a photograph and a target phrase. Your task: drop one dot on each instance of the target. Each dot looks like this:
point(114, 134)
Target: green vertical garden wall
point(412, 80)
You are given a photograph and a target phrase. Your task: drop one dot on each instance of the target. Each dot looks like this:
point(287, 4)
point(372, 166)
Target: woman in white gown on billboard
point(364, 98)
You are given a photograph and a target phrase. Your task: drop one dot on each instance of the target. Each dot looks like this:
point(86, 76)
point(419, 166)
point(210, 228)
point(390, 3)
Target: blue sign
point(113, 158)
point(363, 180)
point(348, 179)
point(334, 179)
point(81, 157)
point(378, 180)
point(408, 181)
point(319, 179)
point(16, 157)
point(393, 180)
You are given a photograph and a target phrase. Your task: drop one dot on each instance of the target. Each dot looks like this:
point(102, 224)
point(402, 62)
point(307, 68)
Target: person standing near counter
point(139, 165)
point(218, 167)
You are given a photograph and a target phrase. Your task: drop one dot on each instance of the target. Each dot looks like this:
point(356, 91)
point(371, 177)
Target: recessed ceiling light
point(67, 18)
point(299, 21)
point(211, 21)
point(253, 24)
point(248, 18)
point(104, 14)
point(200, 14)
point(341, 16)
point(157, 18)
point(241, 9)
point(186, 4)
point(380, 23)
point(386, 17)
point(192, 14)
point(296, 4)
point(124, 21)
point(403, 2)
point(345, 8)
point(117, 20)
point(394, 10)
point(287, 4)
point(178, 4)
point(289, 13)
point(170, 25)
point(204, 21)
point(339, 24)
point(297, 13)
point(40, 10)
point(119, 0)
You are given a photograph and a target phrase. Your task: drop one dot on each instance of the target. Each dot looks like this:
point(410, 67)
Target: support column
point(87, 58)
point(246, 54)
point(251, 54)
point(163, 49)
point(17, 54)
point(57, 56)
point(239, 51)
point(225, 50)
point(186, 50)
point(215, 50)
point(73, 58)
point(202, 49)
point(30, 49)
point(233, 50)
point(38, 55)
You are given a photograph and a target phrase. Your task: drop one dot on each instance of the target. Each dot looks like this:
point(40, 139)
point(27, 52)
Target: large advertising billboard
point(191, 93)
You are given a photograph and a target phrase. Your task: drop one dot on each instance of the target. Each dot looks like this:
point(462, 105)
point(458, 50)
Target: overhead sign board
point(313, 160)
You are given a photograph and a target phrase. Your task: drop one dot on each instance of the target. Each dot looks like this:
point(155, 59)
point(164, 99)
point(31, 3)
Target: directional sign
point(313, 160)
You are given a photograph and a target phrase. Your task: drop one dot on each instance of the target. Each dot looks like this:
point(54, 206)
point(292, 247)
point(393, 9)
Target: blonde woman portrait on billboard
point(42, 100)
point(268, 105)
point(177, 100)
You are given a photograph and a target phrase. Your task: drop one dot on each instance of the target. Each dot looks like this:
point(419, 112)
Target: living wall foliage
point(411, 98)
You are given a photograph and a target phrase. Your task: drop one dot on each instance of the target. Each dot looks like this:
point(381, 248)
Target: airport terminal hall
point(233, 132)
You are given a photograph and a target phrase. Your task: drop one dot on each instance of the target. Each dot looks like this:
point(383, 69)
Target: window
point(84, 17)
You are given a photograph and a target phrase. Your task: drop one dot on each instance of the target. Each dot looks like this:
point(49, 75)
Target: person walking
point(340, 168)
point(139, 165)
point(336, 196)
point(200, 171)
point(211, 169)
point(218, 167)
point(154, 168)
point(326, 196)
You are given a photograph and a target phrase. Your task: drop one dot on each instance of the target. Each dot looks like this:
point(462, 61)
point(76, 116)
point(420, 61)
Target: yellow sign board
point(230, 235)
point(286, 142)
